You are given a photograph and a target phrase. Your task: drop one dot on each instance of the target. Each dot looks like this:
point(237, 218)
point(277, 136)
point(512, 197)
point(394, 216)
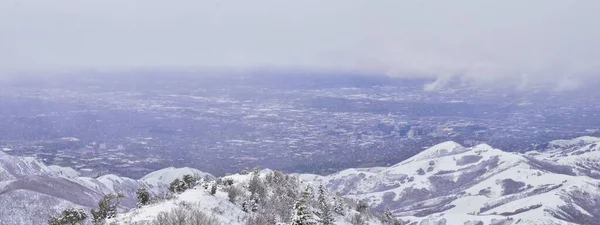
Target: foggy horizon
point(478, 42)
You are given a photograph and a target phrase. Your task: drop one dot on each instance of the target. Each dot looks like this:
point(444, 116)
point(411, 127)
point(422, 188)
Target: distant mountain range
point(445, 184)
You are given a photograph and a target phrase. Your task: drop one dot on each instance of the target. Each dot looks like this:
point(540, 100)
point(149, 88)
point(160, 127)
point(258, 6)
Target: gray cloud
point(519, 42)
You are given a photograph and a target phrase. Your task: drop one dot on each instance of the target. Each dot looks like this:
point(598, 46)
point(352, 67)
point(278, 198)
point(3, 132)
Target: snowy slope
point(458, 185)
point(223, 211)
point(198, 198)
point(166, 175)
point(13, 168)
point(67, 172)
point(41, 191)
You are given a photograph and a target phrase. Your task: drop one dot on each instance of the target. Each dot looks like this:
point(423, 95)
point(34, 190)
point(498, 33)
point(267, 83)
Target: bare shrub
point(184, 216)
point(233, 192)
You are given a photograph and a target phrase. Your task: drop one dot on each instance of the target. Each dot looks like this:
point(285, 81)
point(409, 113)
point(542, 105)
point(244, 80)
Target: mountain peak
point(439, 150)
point(569, 144)
point(166, 175)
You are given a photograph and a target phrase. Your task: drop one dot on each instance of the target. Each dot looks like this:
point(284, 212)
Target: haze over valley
point(132, 124)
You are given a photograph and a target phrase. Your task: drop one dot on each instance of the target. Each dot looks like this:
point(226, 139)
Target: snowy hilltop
point(257, 198)
point(31, 192)
point(452, 184)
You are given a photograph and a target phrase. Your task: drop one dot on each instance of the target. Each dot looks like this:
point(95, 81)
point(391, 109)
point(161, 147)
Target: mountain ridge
point(36, 191)
point(444, 184)
point(482, 184)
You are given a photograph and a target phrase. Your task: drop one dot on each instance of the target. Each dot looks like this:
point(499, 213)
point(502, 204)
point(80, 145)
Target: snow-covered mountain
point(445, 184)
point(452, 184)
point(30, 191)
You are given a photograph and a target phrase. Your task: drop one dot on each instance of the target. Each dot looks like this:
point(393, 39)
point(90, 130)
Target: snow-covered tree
point(228, 182)
point(213, 189)
point(245, 206)
point(254, 203)
point(68, 217)
point(244, 171)
point(232, 193)
point(302, 214)
point(339, 206)
point(177, 186)
point(358, 219)
point(107, 207)
point(362, 206)
point(142, 196)
point(189, 180)
point(326, 215)
point(256, 186)
point(207, 178)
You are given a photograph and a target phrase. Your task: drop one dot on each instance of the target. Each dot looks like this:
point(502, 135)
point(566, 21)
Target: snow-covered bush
point(184, 215)
point(69, 216)
point(142, 197)
point(107, 208)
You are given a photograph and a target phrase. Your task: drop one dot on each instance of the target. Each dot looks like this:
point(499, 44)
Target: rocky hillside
point(452, 184)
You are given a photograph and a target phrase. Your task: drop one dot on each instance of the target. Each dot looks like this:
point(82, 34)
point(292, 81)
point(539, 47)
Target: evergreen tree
point(256, 171)
point(339, 207)
point(244, 171)
point(142, 196)
point(228, 182)
point(310, 192)
point(68, 217)
point(213, 189)
point(358, 219)
point(189, 180)
point(302, 215)
point(107, 207)
point(177, 186)
point(325, 208)
point(232, 193)
point(256, 186)
point(255, 204)
point(362, 206)
point(245, 206)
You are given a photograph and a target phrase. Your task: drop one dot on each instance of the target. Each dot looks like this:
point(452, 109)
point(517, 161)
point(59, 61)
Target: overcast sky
point(519, 40)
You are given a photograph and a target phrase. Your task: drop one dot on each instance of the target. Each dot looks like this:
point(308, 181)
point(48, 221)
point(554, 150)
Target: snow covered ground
point(31, 191)
point(444, 184)
point(455, 185)
point(220, 208)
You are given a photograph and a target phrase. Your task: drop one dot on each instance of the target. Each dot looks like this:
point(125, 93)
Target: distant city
point(134, 124)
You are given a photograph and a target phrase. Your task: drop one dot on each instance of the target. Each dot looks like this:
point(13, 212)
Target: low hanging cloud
point(514, 42)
